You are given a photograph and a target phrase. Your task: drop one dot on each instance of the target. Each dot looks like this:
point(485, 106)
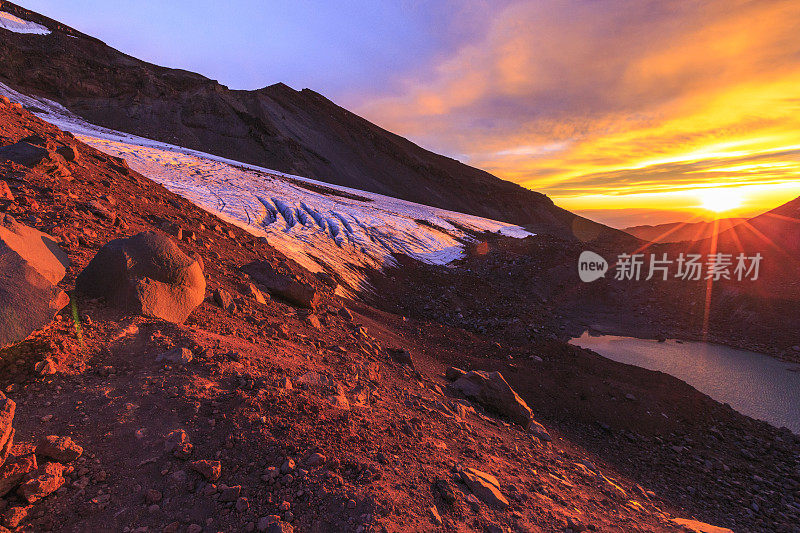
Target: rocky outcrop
point(145, 274)
point(31, 264)
point(35, 157)
point(282, 285)
point(494, 393)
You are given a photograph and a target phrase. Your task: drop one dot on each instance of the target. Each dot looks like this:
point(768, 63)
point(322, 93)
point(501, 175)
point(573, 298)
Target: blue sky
point(336, 48)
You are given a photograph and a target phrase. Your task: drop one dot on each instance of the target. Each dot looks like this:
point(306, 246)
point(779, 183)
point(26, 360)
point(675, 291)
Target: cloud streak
point(615, 97)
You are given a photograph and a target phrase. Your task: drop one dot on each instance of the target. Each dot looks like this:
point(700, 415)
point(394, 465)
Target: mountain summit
point(277, 127)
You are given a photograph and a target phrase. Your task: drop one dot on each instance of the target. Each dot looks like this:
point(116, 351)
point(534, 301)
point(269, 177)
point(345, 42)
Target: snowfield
point(17, 25)
point(319, 225)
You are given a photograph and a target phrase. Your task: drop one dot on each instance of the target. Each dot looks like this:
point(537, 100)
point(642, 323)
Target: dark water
point(754, 384)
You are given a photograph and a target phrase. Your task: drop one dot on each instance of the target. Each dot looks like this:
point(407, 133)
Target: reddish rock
point(484, 486)
point(313, 320)
point(230, 494)
point(281, 285)
point(46, 481)
point(146, 274)
point(14, 470)
point(492, 391)
point(153, 496)
point(7, 409)
point(61, 449)
point(31, 264)
point(315, 460)
point(5, 192)
point(15, 515)
point(178, 443)
point(254, 292)
point(208, 469)
point(35, 157)
point(69, 153)
point(183, 450)
point(6, 448)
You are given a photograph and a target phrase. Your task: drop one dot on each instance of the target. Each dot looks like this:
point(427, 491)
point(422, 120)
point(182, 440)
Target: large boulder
point(47, 479)
point(14, 471)
point(281, 285)
point(35, 157)
point(492, 391)
point(145, 274)
point(31, 264)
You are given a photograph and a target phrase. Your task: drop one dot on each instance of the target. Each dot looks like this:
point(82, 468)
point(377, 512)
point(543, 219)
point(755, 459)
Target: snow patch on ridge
point(17, 25)
point(319, 225)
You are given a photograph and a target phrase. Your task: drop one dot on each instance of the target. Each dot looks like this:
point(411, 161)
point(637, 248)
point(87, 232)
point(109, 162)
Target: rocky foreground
point(196, 380)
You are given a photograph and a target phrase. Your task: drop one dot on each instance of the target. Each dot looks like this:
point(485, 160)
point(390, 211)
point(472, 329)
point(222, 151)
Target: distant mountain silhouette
point(682, 231)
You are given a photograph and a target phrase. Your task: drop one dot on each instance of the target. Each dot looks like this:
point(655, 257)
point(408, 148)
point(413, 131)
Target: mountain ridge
point(299, 132)
point(681, 231)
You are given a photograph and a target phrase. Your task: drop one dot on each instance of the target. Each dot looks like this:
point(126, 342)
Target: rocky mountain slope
point(298, 132)
point(305, 412)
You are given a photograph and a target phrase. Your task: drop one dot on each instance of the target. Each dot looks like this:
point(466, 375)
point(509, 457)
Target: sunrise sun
point(720, 200)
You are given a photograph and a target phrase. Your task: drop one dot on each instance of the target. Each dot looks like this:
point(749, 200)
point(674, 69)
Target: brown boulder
point(31, 264)
point(35, 157)
point(14, 470)
point(281, 285)
point(145, 274)
point(61, 449)
point(45, 481)
point(35, 247)
point(210, 470)
point(494, 393)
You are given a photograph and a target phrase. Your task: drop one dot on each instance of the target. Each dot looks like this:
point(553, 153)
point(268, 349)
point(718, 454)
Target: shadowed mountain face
point(776, 231)
point(300, 132)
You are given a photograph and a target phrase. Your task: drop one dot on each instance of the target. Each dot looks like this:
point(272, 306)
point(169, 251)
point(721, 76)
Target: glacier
point(321, 226)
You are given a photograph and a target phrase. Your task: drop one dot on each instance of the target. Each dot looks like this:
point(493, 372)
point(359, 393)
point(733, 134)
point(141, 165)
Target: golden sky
point(627, 111)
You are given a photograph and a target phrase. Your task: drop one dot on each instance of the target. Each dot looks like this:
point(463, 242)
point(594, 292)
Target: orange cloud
point(594, 101)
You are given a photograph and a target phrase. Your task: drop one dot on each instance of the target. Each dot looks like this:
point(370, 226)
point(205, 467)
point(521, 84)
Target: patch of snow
point(17, 25)
point(345, 230)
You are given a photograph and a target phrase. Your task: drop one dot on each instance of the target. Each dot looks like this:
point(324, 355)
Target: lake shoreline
point(754, 384)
